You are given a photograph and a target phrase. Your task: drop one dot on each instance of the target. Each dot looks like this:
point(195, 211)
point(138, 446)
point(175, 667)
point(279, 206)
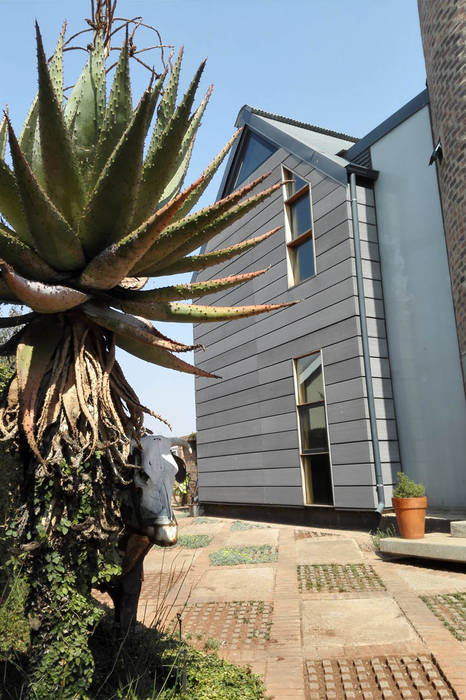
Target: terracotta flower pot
point(411, 516)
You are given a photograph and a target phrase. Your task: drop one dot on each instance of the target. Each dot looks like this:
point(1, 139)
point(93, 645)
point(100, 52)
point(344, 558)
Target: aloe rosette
point(94, 206)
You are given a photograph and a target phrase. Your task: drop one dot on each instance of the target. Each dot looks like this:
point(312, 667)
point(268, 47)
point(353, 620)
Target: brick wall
point(443, 29)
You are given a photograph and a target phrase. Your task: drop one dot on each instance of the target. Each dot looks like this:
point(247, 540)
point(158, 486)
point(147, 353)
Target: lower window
point(313, 436)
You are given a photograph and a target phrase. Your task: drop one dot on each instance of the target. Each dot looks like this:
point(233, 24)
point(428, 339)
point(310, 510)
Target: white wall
point(423, 346)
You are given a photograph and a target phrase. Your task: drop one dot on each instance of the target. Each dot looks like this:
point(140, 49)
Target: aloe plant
point(89, 214)
point(93, 206)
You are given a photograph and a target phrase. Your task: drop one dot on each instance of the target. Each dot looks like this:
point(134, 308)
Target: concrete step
point(436, 520)
point(434, 545)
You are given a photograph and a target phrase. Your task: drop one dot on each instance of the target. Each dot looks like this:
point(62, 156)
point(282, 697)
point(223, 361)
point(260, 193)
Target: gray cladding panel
point(355, 409)
point(280, 459)
point(250, 428)
point(273, 495)
point(278, 327)
point(265, 409)
point(247, 423)
point(252, 477)
point(272, 441)
point(355, 497)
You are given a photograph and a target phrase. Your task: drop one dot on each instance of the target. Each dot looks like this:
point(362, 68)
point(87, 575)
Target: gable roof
point(314, 145)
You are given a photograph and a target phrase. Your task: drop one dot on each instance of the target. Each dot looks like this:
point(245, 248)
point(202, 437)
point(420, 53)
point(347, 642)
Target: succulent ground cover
point(194, 541)
point(339, 578)
point(252, 554)
point(450, 608)
point(239, 525)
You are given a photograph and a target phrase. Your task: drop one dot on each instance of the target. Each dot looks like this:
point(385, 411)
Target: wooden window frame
point(293, 243)
point(308, 454)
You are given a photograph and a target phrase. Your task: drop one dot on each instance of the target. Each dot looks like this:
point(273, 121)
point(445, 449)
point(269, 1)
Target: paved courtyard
point(316, 612)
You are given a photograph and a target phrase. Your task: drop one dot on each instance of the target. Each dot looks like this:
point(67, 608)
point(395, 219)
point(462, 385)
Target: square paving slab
point(173, 558)
point(354, 622)
point(253, 583)
point(420, 580)
point(255, 536)
point(339, 551)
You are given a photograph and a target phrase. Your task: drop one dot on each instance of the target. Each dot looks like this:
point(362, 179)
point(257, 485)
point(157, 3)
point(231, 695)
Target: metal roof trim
point(397, 118)
point(285, 120)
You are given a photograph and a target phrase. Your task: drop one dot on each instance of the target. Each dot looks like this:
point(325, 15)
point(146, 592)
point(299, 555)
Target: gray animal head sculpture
point(154, 481)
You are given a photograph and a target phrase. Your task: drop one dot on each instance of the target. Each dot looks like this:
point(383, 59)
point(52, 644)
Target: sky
point(340, 65)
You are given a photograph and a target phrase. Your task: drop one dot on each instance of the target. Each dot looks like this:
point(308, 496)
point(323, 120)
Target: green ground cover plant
point(149, 667)
point(239, 525)
point(252, 554)
point(194, 541)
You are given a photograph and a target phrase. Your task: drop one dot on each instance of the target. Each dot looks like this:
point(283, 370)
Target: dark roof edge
point(289, 143)
point(388, 125)
point(293, 122)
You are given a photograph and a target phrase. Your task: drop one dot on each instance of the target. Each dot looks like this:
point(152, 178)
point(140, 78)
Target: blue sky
point(337, 64)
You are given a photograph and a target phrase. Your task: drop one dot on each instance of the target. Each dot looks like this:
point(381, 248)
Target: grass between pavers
point(253, 554)
point(340, 578)
point(243, 525)
point(450, 608)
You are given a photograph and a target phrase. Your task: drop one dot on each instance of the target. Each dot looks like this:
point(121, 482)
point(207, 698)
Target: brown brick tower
point(443, 29)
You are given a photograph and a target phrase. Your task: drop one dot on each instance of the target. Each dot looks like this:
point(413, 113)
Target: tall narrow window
point(314, 450)
point(299, 228)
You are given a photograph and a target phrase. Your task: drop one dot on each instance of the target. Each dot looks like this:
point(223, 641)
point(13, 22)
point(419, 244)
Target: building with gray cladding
point(320, 404)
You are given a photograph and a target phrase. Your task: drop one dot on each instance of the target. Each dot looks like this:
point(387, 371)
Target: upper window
point(299, 228)
point(251, 154)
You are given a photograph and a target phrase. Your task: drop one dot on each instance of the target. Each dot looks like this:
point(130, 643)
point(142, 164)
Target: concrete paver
point(252, 583)
point(354, 621)
point(338, 551)
point(257, 536)
point(322, 628)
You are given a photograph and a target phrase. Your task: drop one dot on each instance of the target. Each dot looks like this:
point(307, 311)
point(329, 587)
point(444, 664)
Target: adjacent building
point(320, 404)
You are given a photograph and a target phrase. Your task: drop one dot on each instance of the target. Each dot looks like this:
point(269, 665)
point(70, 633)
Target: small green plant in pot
point(410, 504)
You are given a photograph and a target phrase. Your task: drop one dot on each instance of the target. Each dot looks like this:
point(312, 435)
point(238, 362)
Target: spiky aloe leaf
point(195, 236)
point(184, 156)
point(117, 114)
point(158, 356)
point(155, 96)
point(109, 210)
point(85, 108)
point(132, 327)
point(114, 263)
point(33, 359)
point(177, 233)
point(160, 162)
point(10, 203)
point(167, 103)
point(64, 184)
point(194, 313)
point(53, 237)
point(186, 291)
point(29, 139)
point(24, 259)
point(41, 297)
point(193, 263)
point(207, 175)
point(3, 133)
